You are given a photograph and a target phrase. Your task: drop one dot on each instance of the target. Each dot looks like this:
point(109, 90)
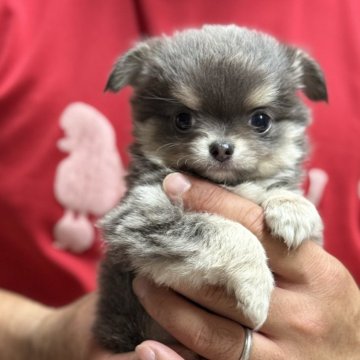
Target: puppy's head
point(220, 101)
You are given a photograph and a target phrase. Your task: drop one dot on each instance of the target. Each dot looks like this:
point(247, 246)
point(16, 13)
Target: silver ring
point(245, 355)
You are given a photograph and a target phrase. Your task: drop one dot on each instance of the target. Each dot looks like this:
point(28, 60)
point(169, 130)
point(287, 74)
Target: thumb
point(153, 350)
point(200, 195)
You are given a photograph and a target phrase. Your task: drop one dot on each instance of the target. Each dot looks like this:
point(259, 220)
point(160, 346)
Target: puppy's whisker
point(200, 162)
point(182, 161)
point(169, 145)
point(157, 98)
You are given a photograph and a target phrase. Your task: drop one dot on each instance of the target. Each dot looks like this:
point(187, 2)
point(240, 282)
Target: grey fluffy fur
point(220, 75)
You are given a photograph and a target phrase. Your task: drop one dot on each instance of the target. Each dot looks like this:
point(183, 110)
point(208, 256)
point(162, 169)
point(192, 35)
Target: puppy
point(219, 103)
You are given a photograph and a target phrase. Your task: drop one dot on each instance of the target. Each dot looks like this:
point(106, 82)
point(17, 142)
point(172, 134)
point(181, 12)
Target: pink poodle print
point(90, 180)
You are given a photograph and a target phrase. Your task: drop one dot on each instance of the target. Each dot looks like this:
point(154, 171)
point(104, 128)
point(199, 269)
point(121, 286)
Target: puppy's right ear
point(128, 67)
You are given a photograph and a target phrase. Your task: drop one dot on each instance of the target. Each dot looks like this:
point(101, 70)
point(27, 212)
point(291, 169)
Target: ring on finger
point(245, 354)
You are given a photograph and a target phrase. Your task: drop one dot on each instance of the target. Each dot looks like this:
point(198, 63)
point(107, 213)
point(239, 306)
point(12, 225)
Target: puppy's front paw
point(252, 288)
point(293, 218)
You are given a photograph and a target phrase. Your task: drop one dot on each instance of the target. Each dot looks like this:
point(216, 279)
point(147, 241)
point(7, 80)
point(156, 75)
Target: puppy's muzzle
point(221, 150)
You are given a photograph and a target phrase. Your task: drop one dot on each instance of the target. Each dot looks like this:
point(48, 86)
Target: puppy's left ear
point(128, 67)
point(308, 74)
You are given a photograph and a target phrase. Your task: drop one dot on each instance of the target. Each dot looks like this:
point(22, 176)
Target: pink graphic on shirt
point(90, 180)
point(318, 180)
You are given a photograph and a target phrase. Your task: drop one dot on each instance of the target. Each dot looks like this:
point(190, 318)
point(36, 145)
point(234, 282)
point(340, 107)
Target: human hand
point(30, 330)
point(65, 333)
point(315, 307)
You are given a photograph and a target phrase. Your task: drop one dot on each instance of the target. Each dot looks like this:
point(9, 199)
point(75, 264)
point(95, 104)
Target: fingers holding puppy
point(199, 195)
point(203, 332)
point(153, 350)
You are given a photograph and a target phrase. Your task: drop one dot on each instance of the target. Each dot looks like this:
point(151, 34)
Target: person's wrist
point(19, 321)
point(25, 341)
point(60, 333)
point(45, 335)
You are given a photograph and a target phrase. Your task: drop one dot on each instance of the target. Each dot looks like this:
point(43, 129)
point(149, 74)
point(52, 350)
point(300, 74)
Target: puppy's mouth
point(224, 173)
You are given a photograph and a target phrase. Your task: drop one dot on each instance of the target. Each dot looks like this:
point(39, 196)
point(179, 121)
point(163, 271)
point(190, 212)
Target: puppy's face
point(220, 102)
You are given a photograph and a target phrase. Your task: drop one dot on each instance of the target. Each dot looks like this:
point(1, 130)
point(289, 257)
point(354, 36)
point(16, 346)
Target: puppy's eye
point(183, 121)
point(260, 122)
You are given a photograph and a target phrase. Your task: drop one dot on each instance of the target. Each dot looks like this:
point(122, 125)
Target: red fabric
point(52, 54)
point(58, 52)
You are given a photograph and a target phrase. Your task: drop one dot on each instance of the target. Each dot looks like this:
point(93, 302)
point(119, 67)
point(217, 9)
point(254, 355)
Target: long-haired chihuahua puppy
point(219, 103)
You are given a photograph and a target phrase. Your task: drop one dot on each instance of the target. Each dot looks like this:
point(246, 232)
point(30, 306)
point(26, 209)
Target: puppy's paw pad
point(294, 219)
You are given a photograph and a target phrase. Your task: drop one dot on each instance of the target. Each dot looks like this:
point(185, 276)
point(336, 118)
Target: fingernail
point(175, 185)
point(145, 353)
point(140, 287)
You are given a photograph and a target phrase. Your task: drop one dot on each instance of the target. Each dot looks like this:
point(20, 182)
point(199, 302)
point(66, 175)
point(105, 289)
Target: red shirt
point(59, 53)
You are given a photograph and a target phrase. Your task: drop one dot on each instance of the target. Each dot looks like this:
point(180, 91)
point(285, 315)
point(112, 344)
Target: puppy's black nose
point(221, 151)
